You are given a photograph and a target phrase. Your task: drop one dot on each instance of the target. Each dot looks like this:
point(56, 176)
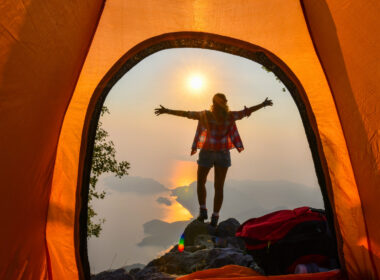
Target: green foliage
point(103, 161)
point(270, 71)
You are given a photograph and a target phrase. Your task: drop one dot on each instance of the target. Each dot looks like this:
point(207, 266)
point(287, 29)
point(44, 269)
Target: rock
point(134, 271)
point(227, 228)
point(224, 256)
point(205, 247)
point(185, 262)
point(235, 242)
point(220, 242)
point(204, 240)
point(118, 274)
point(194, 229)
point(257, 268)
point(128, 268)
point(152, 273)
point(188, 248)
point(175, 262)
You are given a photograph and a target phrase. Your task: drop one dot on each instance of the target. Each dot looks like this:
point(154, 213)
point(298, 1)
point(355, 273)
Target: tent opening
point(262, 57)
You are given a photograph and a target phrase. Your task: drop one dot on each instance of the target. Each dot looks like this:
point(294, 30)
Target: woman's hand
point(267, 102)
point(162, 110)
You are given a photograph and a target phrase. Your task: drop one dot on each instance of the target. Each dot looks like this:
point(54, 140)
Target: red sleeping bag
point(261, 232)
point(280, 240)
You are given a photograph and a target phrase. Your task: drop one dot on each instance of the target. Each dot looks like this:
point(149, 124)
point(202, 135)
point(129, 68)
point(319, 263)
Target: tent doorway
point(205, 41)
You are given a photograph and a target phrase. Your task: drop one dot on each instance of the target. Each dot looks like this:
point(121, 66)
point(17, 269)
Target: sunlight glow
point(196, 82)
point(183, 173)
point(176, 212)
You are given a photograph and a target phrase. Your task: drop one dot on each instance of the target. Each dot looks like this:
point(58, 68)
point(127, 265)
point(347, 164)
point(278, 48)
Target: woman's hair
point(219, 106)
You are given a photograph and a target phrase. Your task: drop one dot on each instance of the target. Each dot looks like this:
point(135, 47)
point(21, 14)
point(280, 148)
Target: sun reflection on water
point(176, 212)
point(183, 173)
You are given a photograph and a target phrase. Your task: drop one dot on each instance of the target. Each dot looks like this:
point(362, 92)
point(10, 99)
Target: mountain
point(242, 199)
point(138, 185)
point(162, 234)
point(247, 198)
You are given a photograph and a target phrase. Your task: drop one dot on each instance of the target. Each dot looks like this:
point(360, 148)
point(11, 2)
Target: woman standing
point(216, 134)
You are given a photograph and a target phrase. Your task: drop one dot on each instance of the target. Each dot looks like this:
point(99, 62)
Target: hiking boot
point(214, 221)
point(202, 215)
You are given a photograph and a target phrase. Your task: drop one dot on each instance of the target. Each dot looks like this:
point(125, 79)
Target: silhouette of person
point(216, 134)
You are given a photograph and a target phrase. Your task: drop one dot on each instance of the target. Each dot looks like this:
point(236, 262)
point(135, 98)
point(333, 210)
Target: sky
point(158, 149)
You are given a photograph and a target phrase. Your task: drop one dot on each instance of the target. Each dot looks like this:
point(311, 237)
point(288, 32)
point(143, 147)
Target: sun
point(196, 82)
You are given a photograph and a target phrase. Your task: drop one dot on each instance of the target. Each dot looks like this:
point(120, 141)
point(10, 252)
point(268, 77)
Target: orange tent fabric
point(43, 45)
point(240, 272)
point(58, 56)
point(230, 271)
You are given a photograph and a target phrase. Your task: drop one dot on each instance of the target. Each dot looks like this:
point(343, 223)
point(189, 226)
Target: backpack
point(280, 240)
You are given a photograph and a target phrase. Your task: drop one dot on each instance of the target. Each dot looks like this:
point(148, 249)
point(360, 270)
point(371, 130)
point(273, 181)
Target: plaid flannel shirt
point(211, 135)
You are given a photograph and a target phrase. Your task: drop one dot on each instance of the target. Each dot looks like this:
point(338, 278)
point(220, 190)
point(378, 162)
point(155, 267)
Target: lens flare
point(181, 243)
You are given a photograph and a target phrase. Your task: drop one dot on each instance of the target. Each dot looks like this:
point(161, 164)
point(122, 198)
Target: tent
point(58, 60)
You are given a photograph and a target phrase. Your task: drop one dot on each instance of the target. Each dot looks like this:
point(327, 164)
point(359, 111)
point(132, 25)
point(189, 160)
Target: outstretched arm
point(266, 102)
point(238, 115)
point(187, 114)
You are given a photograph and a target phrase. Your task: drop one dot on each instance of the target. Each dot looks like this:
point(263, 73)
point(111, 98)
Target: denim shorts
point(211, 158)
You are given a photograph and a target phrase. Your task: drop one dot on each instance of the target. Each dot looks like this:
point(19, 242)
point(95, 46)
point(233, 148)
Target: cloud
point(139, 185)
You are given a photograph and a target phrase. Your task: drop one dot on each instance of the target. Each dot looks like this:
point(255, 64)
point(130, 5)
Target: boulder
point(194, 229)
point(227, 228)
point(204, 240)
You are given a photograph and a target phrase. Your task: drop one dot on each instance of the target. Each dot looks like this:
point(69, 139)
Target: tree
point(270, 71)
point(103, 161)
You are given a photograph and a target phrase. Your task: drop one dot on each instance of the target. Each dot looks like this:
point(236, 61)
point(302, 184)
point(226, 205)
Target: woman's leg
point(201, 183)
point(220, 177)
